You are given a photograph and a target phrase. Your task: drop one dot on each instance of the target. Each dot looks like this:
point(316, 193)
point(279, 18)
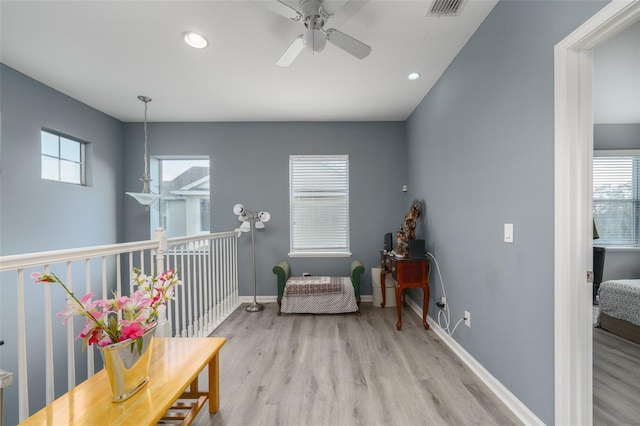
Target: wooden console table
point(175, 365)
point(408, 273)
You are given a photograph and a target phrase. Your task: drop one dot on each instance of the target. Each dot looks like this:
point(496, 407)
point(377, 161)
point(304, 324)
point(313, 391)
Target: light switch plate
point(508, 232)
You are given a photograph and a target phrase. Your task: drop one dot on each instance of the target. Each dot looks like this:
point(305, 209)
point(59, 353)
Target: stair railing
point(38, 348)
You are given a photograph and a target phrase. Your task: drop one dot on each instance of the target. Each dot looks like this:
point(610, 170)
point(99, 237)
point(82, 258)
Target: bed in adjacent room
point(620, 308)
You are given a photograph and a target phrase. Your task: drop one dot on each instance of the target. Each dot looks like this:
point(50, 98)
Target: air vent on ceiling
point(446, 7)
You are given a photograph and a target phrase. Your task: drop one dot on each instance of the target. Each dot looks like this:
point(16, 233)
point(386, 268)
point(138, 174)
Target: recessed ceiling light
point(413, 76)
point(195, 40)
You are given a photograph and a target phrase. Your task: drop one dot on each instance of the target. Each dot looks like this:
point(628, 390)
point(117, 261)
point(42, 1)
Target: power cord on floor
point(443, 313)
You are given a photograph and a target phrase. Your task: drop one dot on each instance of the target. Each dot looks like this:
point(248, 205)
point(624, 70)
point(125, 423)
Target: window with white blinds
point(319, 205)
point(616, 197)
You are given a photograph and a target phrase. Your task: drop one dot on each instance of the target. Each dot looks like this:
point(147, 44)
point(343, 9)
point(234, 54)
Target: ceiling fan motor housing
point(314, 38)
point(310, 8)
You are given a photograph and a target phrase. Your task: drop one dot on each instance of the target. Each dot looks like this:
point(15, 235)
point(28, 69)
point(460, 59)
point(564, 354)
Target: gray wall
point(250, 165)
point(38, 215)
point(616, 136)
point(619, 263)
point(480, 150)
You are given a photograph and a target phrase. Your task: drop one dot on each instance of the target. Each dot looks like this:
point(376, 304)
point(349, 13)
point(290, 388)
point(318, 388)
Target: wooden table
point(175, 365)
point(408, 273)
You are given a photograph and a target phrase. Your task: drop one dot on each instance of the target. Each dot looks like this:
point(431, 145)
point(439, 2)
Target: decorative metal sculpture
point(407, 229)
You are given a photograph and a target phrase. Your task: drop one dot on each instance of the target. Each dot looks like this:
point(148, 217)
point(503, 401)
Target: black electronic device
point(416, 249)
point(388, 245)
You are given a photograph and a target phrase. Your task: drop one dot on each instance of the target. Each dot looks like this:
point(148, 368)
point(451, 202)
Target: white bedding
point(621, 299)
point(335, 303)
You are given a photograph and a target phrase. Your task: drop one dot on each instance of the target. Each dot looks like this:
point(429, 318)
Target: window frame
point(343, 188)
point(81, 163)
point(160, 214)
point(634, 244)
point(205, 213)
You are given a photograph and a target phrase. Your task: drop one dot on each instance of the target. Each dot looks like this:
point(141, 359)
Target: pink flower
point(75, 308)
point(97, 337)
point(131, 330)
point(90, 333)
point(105, 340)
point(123, 302)
point(104, 308)
point(42, 278)
point(166, 276)
point(113, 320)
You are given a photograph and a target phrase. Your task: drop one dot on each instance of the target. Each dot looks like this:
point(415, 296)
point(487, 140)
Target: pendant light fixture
point(146, 197)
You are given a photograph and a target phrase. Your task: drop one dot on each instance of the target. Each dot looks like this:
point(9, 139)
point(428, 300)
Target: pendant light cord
point(146, 100)
point(146, 161)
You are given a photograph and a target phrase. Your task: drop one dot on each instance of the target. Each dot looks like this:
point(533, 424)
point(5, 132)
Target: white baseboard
point(259, 299)
point(270, 299)
point(508, 398)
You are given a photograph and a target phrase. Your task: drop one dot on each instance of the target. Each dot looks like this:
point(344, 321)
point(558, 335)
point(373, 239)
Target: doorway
point(573, 333)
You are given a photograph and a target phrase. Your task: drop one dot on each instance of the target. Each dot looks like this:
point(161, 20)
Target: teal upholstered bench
point(318, 294)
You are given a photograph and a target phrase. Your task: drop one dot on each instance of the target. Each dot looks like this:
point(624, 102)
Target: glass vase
point(127, 365)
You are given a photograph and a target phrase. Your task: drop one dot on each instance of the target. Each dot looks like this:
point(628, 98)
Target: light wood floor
point(308, 370)
point(616, 380)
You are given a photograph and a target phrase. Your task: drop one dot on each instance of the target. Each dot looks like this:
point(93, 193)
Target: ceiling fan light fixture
point(195, 40)
point(314, 40)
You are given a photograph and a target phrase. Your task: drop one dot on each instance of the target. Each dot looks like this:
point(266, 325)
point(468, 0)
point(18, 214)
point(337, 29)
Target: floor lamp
point(251, 220)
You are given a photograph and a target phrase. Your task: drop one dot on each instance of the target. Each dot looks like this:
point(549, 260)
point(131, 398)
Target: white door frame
point(573, 240)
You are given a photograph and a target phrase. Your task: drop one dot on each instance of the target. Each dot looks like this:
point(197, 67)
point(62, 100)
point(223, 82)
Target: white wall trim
point(273, 299)
point(573, 209)
point(259, 299)
point(504, 394)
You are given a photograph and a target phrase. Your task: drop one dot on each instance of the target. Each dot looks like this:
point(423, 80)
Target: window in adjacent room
point(62, 158)
point(616, 197)
point(319, 205)
point(184, 207)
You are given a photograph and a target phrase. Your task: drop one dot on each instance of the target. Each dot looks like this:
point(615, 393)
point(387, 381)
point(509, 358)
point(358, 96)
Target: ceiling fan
point(313, 15)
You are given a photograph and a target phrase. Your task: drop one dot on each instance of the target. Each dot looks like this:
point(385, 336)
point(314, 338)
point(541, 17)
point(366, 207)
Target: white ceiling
point(106, 53)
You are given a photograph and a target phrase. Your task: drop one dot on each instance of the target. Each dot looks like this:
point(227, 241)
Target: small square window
point(62, 158)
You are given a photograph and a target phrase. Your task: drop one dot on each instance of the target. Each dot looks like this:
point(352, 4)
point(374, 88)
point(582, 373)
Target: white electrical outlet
point(467, 319)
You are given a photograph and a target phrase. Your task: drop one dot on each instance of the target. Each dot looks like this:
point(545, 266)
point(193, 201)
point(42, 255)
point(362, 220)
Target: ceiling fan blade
point(292, 52)
point(348, 43)
point(331, 7)
point(342, 10)
point(284, 9)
